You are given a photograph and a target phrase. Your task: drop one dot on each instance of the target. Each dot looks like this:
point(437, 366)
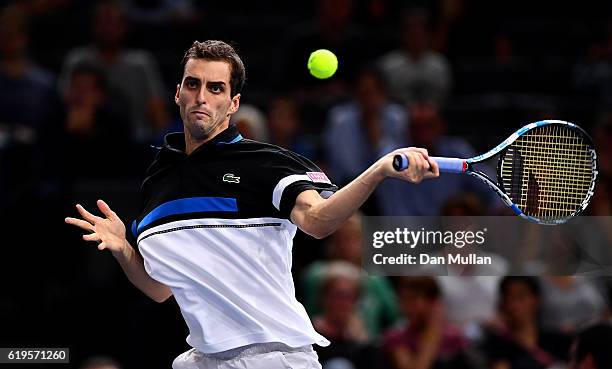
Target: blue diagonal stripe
point(189, 205)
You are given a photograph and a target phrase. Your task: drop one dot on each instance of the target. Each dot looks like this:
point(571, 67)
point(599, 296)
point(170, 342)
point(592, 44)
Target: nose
point(201, 97)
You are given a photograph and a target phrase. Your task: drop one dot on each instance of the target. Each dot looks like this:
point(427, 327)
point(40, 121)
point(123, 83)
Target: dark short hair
point(532, 284)
point(595, 340)
point(423, 286)
point(219, 51)
point(92, 69)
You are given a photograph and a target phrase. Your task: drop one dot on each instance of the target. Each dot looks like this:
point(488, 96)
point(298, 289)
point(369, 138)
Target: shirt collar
point(175, 141)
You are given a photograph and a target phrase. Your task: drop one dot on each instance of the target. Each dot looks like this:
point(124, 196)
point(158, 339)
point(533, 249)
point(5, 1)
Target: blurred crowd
point(511, 322)
point(86, 94)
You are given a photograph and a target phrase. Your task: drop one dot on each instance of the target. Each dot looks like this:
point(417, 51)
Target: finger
point(423, 151)
point(414, 168)
point(91, 237)
point(435, 169)
point(428, 175)
point(425, 160)
point(422, 165)
point(105, 209)
point(87, 215)
point(79, 223)
point(412, 161)
point(101, 246)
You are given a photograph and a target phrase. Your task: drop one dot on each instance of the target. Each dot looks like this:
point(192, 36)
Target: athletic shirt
point(214, 227)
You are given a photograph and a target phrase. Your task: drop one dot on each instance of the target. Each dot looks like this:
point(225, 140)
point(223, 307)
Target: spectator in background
point(427, 341)
point(415, 72)
point(27, 98)
point(593, 74)
point(132, 73)
point(608, 294)
point(601, 203)
point(361, 130)
point(470, 291)
point(26, 90)
point(161, 11)
point(339, 320)
point(570, 302)
point(93, 122)
point(379, 18)
point(333, 29)
point(591, 349)
point(285, 126)
point(518, 340)
point(377, 305)
point(427, 129)
point(470, 302)
point(100, 362)
point(251, 123)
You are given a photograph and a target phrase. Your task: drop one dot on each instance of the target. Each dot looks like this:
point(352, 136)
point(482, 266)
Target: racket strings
point(548, 171)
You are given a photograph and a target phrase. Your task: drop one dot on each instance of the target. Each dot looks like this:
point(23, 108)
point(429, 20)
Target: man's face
point(519, 304)
point(204, 98)
point(416, 307)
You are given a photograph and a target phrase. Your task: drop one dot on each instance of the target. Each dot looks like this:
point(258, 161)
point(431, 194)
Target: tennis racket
point(546, 171)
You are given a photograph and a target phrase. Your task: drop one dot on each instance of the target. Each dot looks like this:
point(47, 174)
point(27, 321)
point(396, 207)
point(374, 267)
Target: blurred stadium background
point(87, 87)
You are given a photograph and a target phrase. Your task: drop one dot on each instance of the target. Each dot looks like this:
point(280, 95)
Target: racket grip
point(446, 165)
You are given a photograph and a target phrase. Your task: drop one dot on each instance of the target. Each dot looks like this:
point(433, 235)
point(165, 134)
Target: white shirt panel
point(232, 280)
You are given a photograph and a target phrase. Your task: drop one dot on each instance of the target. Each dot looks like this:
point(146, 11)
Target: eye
point(191, 83)
point(217, 89)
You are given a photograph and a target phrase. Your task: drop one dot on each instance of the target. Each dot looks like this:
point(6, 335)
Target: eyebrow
point(191, 78)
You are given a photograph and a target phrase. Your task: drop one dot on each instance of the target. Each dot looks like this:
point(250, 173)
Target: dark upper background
point(74, 127)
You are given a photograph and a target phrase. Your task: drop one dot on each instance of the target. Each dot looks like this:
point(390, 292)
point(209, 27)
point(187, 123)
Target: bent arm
point(321, 217)
point(133, 266)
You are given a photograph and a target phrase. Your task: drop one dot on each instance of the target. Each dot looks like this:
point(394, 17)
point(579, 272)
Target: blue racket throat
point(546, 170)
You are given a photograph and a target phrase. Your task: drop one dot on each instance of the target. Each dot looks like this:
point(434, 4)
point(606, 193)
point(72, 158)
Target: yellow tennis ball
point(322, 64)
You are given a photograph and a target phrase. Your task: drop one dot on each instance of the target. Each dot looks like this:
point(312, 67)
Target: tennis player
point(217, 222)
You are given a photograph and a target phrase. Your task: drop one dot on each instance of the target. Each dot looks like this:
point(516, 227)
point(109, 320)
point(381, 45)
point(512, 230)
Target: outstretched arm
point(321, 217)
point(110, 233)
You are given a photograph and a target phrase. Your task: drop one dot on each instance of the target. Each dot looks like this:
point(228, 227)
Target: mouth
point(200, 112)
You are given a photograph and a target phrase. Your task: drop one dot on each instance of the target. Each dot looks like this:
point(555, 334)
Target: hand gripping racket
point(546, 171)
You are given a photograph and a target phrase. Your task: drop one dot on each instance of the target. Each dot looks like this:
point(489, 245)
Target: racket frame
point(465, 166)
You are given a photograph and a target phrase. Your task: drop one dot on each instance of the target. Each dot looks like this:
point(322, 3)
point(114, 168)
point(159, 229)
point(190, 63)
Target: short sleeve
point(291, 175)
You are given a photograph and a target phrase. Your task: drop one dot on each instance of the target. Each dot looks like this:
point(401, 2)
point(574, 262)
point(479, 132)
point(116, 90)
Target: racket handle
point(446, 165)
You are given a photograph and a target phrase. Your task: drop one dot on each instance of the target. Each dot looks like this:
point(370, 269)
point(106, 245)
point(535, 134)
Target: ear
point(235, 104)
point(176, 96)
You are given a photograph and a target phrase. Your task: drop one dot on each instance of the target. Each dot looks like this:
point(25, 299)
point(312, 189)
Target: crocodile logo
point(230, 178)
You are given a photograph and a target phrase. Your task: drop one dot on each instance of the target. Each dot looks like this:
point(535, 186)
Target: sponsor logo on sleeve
point(318, 177)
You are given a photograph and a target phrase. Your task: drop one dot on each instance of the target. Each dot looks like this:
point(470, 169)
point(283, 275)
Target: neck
point(192, 143)
point(527, 334)
point(523, 326)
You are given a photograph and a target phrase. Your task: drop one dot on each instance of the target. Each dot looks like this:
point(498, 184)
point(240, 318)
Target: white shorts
point(259, 356)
